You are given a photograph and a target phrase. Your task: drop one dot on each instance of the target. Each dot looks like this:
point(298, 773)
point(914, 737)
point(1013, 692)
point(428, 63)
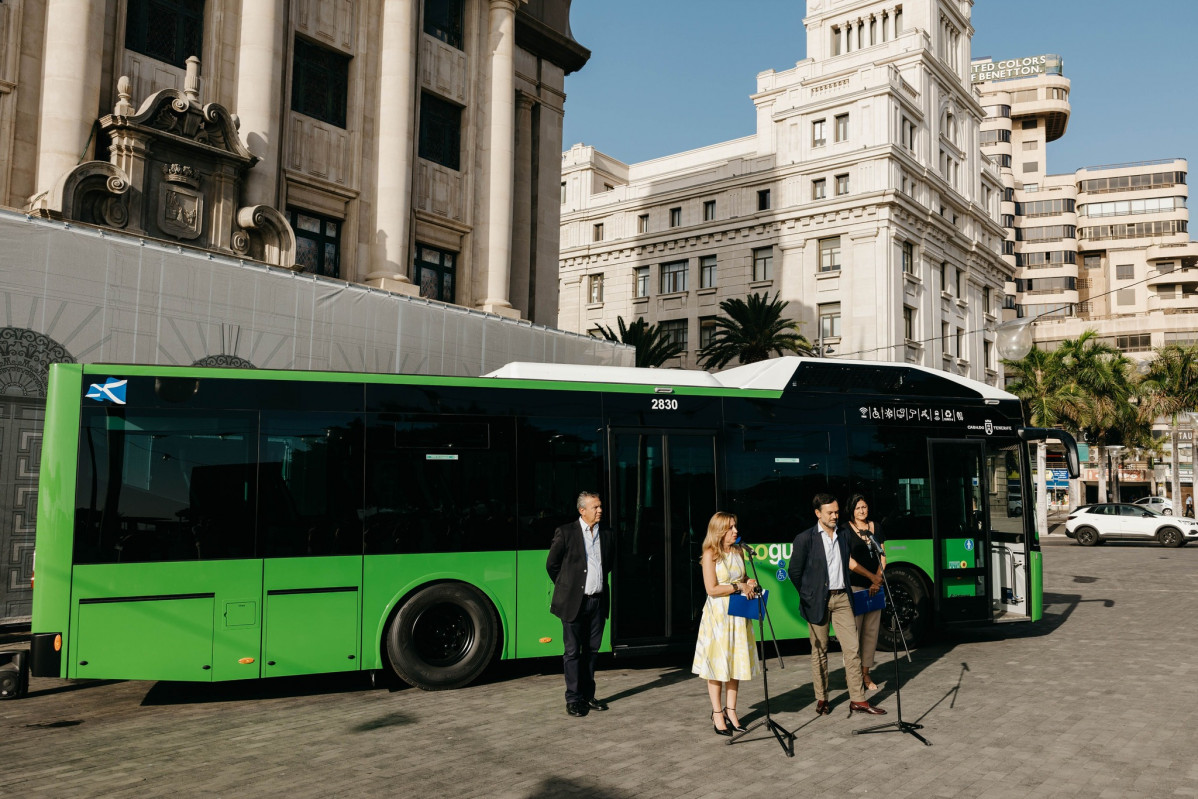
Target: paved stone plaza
point(1096, 701)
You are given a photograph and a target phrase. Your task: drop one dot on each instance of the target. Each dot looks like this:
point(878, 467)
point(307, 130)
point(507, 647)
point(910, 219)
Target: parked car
point(1094, 524)
point(1158, 504)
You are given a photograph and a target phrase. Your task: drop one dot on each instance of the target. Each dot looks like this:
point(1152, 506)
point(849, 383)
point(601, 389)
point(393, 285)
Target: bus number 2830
point(664, 404)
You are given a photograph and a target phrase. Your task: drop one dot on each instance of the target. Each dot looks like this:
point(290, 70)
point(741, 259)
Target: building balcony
point(1185, 254)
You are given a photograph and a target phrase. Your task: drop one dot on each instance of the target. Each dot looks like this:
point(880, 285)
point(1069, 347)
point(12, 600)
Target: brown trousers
point(840, 613)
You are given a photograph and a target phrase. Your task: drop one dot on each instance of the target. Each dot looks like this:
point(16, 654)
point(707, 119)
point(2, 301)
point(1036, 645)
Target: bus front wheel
point(442, 637)
point(911, 606)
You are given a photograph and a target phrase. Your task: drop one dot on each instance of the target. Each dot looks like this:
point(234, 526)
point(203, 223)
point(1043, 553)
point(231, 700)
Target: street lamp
point(1014, 339)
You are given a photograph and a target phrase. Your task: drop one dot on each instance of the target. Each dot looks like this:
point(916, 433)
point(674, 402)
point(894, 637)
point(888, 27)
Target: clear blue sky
point(671, 75)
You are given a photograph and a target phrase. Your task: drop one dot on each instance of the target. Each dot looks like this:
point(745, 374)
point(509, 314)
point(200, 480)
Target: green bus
point(213, 524)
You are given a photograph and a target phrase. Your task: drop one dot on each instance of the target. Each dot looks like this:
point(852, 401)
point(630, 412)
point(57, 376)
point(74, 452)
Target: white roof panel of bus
point(771, 375)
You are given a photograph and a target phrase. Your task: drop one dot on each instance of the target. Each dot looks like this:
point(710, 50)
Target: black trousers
point(582, 638)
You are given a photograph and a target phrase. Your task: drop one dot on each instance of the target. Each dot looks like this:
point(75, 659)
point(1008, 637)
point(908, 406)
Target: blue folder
point(741, 605)
point(863, 603)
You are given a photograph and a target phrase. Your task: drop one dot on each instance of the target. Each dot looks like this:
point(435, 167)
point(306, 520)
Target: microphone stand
point(896, 635)
point(786, 738)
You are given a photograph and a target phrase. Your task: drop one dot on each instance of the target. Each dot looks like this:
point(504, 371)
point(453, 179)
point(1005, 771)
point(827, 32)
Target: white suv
point(1158, 504)
point(1094, 524)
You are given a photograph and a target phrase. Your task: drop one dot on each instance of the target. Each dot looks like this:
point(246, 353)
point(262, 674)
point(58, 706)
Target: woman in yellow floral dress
point(725, 653)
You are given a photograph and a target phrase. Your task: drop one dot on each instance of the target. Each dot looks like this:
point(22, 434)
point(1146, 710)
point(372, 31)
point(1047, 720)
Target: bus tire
point(442, 637)
point(1169, 537)
point(1087, 536)
point(912, 604)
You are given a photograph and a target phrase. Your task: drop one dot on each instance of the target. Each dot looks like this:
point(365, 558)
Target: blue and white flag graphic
point(113, 390)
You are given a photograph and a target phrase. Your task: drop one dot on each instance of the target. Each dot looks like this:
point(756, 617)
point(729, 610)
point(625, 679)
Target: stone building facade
point(411, 146)
point(863, 199)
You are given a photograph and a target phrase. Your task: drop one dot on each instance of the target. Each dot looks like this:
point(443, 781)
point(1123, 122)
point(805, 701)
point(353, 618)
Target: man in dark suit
point(819, 568)
point(580, 559)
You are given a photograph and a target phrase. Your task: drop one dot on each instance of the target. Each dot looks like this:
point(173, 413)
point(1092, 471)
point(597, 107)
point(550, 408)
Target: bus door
point(662, 494)
point(961, 531)
point(1010, 544)
point(310, 533)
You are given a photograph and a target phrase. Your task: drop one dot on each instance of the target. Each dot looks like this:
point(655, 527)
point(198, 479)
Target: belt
point(836, 591)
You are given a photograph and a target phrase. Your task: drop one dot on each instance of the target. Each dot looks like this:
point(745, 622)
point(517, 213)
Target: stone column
point(501, 44)
point(263, 57)
point(522, 228)
point(70, 85)
point(396, 134)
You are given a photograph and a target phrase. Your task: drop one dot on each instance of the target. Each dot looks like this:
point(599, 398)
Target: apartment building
point(863, 199)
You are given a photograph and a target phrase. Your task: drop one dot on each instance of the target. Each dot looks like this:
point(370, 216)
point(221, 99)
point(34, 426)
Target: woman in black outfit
point(866, 566)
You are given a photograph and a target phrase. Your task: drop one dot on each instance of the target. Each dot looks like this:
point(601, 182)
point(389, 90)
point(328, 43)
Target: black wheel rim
point(442, 634)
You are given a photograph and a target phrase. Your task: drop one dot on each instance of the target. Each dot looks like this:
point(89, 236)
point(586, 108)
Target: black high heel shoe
point(718, 731)
point(733, 727)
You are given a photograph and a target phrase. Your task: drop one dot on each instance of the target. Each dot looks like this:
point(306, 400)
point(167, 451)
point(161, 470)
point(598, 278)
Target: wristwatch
point(735, 587)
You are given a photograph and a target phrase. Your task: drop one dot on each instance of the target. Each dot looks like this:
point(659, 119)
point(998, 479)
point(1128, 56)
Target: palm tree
point(750, 330)
point(653, 346)
point(1107, 416)
point(1168, 389)
point(1049, 399)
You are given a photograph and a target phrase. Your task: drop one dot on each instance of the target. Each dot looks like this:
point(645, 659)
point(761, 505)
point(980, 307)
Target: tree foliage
point(653, 346)
point(750, 330)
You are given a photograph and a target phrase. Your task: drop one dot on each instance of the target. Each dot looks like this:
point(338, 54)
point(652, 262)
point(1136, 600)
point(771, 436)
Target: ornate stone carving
point(25, 358)
point(228, 361)
point(176, 171)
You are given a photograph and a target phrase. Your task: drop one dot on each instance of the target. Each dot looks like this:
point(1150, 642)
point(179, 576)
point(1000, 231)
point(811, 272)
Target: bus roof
point(774, 374)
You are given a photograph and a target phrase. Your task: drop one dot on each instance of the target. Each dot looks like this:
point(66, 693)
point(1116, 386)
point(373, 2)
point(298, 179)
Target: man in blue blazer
point(580, 559)
point(819, 569)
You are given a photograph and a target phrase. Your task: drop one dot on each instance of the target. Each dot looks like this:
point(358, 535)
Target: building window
point(674, 332)
point(1091, 261)
point(960, 284)
point(1029, 124)
point(440, 131)
point(988, 354)
point(819, 136)
point(594, 289)
point(960, 335)
point(642, 223)
point(319, 83)
point(842, 185)
point(707, 330)
point(1140, 342)
point(943, 271)
point(1029, 145)
point(673, 277)
point(709, 211)
point(563, 192)
point(597, 232)
point(944, 338)
point(317, 243)
point(763, 263)
point(707, 271)
point(1125, 272)
point(829, 320)
point(641, 276)
point(1125, 297)
point(842, 127)
point(1031, 166)
point(829, 254)
point(986, 299)
point(819, 189)
point(675, 217)
point(763, 200)
point(908, 257)
point(907, 134)
point(435, 271)
point(166, 30)
point(443, 20)
point(909, 322)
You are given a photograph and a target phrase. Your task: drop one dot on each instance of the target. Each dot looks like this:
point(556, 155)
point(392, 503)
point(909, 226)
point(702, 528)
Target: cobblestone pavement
point(1097, 701)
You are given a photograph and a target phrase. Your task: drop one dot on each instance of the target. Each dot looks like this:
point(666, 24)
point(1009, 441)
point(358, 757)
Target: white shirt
point(832, 556)
point(590, 536)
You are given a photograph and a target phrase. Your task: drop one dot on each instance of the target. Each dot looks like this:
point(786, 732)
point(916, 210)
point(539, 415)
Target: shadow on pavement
point(563, 786)
point(187, 693)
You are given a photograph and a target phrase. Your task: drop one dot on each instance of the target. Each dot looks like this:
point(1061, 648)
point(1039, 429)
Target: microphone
point(745, 549)
point(874, 543)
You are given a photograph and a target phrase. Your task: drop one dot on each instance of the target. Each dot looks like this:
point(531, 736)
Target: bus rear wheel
point(911, 605)
point(442, 637)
